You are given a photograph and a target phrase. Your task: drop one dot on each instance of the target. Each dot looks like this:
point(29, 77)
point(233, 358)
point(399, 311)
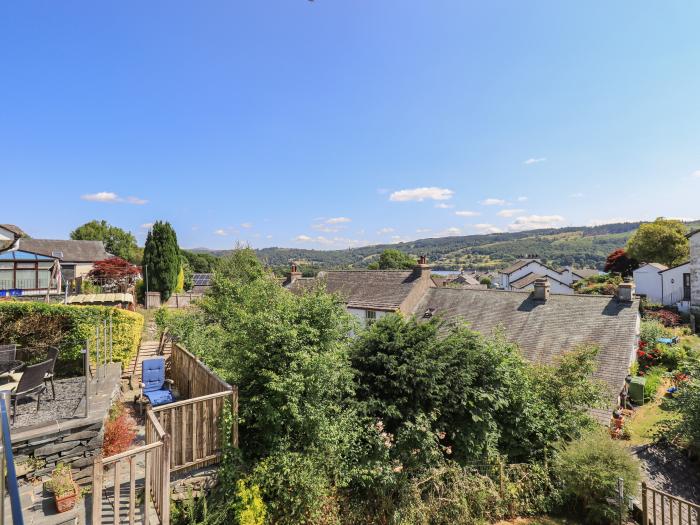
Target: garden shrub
point(120, 431)
point(666, 317)
point(589, 468)
point(249, 507)
point(654, 376)
point(67, 327)
point(651, 330)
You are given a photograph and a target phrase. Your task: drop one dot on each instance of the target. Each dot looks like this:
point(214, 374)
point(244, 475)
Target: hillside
point(581, 246)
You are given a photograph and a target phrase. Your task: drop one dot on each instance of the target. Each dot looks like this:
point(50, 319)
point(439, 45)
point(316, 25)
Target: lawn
point(645, 422)
point(542, 520)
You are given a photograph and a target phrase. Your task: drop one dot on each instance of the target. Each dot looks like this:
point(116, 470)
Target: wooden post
point(97, 472)
point(132, 490)
point(234, 410)
point(117, 491)
point(146, 484)
point(165, 488)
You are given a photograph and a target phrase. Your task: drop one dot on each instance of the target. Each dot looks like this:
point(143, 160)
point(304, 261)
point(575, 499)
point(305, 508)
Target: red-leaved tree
point(114, 272)
point(619, 262)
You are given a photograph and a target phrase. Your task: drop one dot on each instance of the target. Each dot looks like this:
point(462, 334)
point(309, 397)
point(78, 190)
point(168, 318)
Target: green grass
point(542, 520)
point(645, 422)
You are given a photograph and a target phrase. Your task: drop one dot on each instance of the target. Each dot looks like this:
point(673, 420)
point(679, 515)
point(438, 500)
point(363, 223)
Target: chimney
point(422, 269)
point(625, 292)
point(541, 292)
point(294, 274)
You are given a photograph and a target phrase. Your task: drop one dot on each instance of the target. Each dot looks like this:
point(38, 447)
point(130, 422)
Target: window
point(370, 317)
point(686, 287)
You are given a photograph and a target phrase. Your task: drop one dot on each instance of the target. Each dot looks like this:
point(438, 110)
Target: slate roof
point(676, 266)
point(658, 266)
point(585, 272)
point(530, 278)
point(366, 289)
point(73, 251)
point(14, 229)
point(545, 329)
point(516, 266)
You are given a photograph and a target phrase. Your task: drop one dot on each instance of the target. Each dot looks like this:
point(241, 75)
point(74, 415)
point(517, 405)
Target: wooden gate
point(661, 508)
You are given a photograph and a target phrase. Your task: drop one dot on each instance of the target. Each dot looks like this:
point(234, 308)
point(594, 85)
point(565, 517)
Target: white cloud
point(423, 230)
point(577, 195)
point(399, 238)
point(487, 228)
point(449, 232)
point(467, 213)
point(509, 213)
point(268, 236)
point(533, 222)
point(421, 194)
point(535, 160)
point(247, 225)
point(444, 206)
point(695, 174)
point(338, 220)
point(329, 241)
point(493, 202)
point(302, 238)
point(220, 232)
point(384, 231)
point(109, 196)
point(521, 199)
point(147, 225)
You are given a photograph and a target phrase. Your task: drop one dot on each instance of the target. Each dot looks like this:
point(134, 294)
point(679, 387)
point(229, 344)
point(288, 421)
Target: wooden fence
point(107, 506)
point(661, 508)
point(192, 377)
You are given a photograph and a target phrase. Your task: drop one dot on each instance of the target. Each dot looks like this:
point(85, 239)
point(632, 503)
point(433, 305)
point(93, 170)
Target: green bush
point(589, 468)
point(650, 330)
point(654, 378)
point(67, 327)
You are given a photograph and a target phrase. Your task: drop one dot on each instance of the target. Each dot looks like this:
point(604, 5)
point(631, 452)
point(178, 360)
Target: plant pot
point(66, 502)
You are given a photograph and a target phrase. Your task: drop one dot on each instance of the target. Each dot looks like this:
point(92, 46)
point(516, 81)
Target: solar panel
point(201, 279)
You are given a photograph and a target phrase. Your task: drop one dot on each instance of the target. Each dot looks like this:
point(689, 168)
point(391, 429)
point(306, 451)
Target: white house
point(525, 267)
point(663, 285)
point(695, 274)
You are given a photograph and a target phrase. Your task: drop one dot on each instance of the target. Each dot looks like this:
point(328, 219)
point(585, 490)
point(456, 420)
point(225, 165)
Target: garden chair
point(8, 353)
point(31, 383)
point(155, 388)
point(51, 355)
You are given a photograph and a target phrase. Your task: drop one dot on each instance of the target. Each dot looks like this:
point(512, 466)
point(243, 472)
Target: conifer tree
point(161, 259)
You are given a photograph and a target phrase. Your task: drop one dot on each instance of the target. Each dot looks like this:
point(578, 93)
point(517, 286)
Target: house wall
point(672, 286)
point(647, 281)
point(695, 274)
point(360, 314)
point(81, 269)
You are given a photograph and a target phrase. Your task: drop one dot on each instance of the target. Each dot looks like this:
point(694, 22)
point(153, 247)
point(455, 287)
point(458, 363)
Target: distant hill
point(581, 246)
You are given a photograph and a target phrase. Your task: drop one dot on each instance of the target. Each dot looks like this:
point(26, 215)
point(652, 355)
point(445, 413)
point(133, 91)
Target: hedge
point(33, 324)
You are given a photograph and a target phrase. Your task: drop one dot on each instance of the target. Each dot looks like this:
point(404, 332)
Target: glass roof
point(17, 255)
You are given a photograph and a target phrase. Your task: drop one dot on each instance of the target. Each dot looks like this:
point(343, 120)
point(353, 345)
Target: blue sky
point(335, 123)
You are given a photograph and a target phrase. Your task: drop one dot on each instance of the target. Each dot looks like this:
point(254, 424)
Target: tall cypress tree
point(161, 259)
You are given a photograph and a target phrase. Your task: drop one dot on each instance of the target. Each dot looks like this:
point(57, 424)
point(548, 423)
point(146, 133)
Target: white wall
point(695, 271)
point(647, 281)
point(672, 285)
point(554, 287)
point(360, 314)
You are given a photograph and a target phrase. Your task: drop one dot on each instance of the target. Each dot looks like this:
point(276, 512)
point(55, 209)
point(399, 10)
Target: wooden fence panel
point(661, 508)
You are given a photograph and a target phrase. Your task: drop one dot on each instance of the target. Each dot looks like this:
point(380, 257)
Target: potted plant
point(64, 489)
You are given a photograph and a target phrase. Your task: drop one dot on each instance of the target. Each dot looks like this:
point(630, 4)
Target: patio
point(69, 395)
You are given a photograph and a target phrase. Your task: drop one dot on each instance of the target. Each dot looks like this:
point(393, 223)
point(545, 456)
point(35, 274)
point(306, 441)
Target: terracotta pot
point(66, 502)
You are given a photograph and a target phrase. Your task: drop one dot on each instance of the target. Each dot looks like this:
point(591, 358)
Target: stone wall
point(74, 441)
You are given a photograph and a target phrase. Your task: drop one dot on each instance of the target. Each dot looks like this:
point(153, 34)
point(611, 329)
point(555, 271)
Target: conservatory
point(23, 273)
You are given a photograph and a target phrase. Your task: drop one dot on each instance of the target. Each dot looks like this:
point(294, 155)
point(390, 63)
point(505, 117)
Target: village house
point(26, 264)
point(521, 276)
point(695, 276)
point(370, 294)
point(668, 286)
point(545, 325)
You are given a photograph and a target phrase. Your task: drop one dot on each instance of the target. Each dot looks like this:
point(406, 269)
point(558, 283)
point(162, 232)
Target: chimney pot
point(422, 260)
point(541, 292)
point(294, 274)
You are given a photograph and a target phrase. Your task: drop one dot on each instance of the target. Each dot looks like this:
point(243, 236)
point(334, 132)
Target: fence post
point(97, 473)
point(165, 487)
point(621, 498)
point(644, 503)
point(86, 368)
point(234, 414)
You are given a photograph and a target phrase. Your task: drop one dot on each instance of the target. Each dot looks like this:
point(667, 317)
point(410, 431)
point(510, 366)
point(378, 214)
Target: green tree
point(200, 262)
point(117, 241)
point(589, 468)
point(392, 259)
point(161, 259)
point(663, 241)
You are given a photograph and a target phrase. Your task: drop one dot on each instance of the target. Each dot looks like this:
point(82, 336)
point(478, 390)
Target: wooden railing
point(195, 430)
point(192, 377)
point(661, 508)
point(156, 487)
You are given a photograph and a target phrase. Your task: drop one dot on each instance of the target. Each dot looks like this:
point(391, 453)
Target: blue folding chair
point(155, 388)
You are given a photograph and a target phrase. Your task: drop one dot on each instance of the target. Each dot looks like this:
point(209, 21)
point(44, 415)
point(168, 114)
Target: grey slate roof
point(14, 229)
point(366, 289)
point(544, 330)
point(73, 251)
point(516, 266)
point(530, 278)
point(585, 272)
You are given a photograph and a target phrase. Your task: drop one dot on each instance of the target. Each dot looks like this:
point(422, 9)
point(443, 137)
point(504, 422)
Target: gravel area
point(69, 392)
point(667, 468)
